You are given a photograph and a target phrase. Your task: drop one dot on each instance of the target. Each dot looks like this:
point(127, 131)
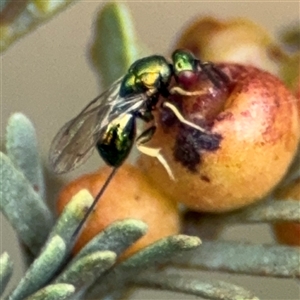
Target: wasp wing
point(75, 141)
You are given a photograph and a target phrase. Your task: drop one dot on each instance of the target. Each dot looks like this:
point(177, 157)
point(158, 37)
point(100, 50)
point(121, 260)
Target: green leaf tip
point(42, 269)
point(186, 242)
point(59, 291)
point(23, 207)
point(160, 252)
point(210, 289)
point(21, 17)
point(22, 149)
point(79, 202)
point(70, 218)
point(244, 258)
point(265, 211)
point(115, 46)
point(86, 269)
point(117, 237)
point(6, 269)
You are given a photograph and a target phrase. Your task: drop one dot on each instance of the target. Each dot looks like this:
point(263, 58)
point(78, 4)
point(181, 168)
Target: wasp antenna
point(225, 78)
point(214, 74)
point(208, 68)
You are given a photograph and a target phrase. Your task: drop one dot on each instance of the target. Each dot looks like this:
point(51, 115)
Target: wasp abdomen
point(116, 142)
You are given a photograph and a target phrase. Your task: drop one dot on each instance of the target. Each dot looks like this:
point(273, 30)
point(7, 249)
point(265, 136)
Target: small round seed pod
point(129, 195)
point(251, 135)
point(211, 40)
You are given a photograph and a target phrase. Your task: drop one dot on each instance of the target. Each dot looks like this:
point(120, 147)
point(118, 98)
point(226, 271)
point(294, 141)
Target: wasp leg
point(180, 91)
point(181, 118)
point(143, 138)
point(146, 116)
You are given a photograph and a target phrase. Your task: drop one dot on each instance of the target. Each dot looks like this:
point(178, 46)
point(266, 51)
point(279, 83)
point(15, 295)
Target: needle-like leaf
point(268, 211)
point(6, 269)
point(59, 291)
point(159, 252)
point(244, 258)
point(42, 269)
point(115, 47)
point(21, 205)
point(211, 289)
point(21, 148)
point(84, 271)
point(25, 16)
point(74, 212)
point(117, 237)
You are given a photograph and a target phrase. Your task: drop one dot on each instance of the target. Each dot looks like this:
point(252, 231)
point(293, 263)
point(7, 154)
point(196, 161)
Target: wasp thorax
point(149, 73)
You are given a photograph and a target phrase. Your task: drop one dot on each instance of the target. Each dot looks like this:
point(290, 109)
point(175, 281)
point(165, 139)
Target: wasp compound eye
point(183, 61)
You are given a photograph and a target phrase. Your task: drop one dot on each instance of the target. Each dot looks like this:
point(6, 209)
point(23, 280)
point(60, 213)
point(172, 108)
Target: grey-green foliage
point(117, 237)
point(21, 204)
point(245, 258)
point(158, 253)
point(6, 269)
point(115, 45)
point(59, 291)
point(42, 269)
point(21, 17)
point(209, 289)
point(22, 149)
point(92, 266)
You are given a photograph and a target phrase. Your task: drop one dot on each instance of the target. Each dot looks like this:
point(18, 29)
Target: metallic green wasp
point(109, 121)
